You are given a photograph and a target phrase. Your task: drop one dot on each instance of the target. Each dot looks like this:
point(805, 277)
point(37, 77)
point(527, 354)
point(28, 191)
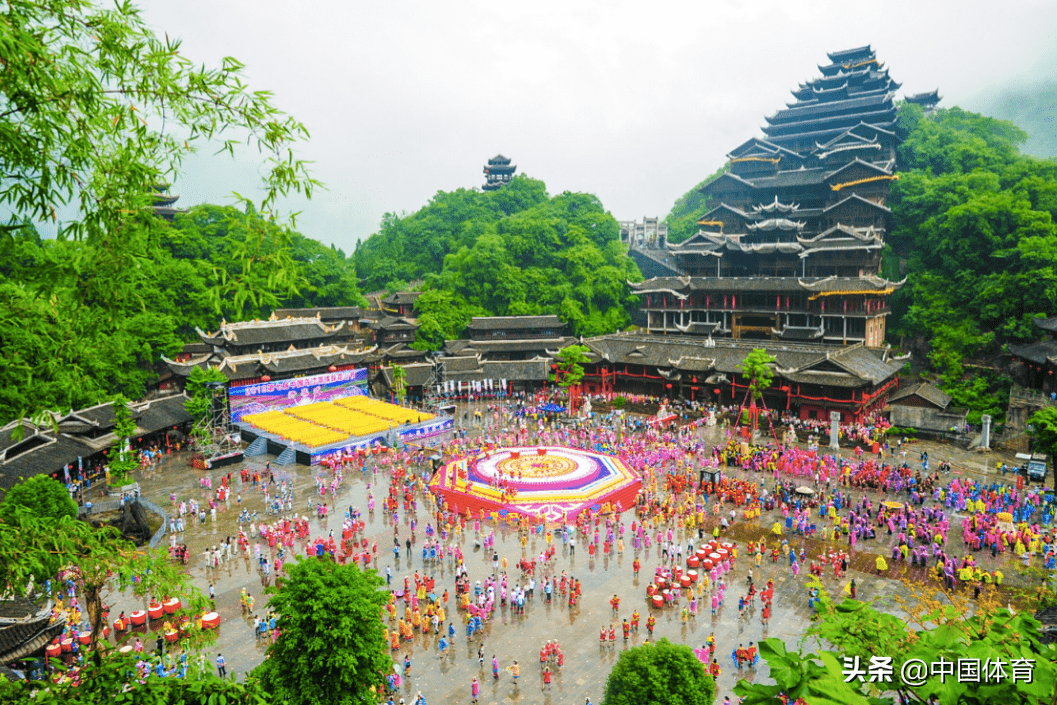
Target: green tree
point(510, 252)
point(1043, 428)
point(35, 548)
point(570, 361)
point(400, 382)
point(688, 209)
point(200, 387)
point(949, 628)
point(95, 112)
point(659, 674)
point(331, 645)
point(123, 461)
point(106, 679)
point(443, 315)
point(42, 496)
point(756, 367)
point(973, 229)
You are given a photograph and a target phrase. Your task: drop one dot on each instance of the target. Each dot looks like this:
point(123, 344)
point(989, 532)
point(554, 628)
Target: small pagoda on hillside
point(498, 172)
point(163, 203)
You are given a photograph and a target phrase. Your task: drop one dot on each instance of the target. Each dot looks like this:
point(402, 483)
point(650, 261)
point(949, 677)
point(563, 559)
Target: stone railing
point(1031, 396)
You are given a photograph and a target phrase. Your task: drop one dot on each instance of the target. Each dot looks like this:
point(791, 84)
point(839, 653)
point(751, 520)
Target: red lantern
point(332, 368)
point(716, 391)
point(669, 386)
point(266, 378)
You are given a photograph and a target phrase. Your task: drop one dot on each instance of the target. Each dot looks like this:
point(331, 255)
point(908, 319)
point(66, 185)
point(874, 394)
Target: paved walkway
point(509, 637)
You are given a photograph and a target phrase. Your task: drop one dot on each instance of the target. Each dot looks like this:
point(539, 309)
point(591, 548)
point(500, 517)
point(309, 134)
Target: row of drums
point(660, 591)
point(710, 555)
point(210, 620)
point(154, 611)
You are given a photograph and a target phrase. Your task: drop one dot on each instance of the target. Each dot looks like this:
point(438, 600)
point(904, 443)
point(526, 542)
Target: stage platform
point(313, 455)
point(550, 482)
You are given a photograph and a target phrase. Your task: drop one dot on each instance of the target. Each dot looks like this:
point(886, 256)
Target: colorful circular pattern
point(548, 482)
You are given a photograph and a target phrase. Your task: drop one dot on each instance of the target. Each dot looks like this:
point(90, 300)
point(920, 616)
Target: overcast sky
point(635, 102)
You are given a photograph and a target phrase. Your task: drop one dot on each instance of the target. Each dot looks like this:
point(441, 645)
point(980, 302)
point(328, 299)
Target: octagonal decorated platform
point(539, 482)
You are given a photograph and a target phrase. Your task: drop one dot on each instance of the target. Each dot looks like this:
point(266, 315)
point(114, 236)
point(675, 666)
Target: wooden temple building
point(789, 251)
point(1038, 360)
point(402, 303)
point(791, 246)
point(498, 172)
point(1034, 373)
point(250, 352)
point(810, 379)
point(81, 439)
point(502, 354)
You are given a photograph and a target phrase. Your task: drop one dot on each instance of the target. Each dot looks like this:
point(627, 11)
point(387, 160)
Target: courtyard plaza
point(507, 635)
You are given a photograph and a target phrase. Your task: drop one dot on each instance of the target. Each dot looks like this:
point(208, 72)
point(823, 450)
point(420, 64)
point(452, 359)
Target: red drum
point(723, 553)
point(67, 645)
point(715, 558)
point(693, 562)
point(692, 575)
point(658, 601)
point(138, 618)
point(106, 632)
point(685, 581)
point(677, 571)
point(172, 605)
point(727, 545)
point(660, 581)
point(707, 564)
point(85, 638)
point(171, 636)
point(210, 620)
point(702, 553)
point(155, 611)
point(53, 650)
point(651, 590)
point(120, 626)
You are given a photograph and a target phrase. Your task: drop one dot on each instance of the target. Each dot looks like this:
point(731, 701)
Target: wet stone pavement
point(510, 637)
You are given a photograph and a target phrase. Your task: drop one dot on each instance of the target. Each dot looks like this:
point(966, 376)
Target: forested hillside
point(79, 324)
point(688, 209)
point(515, 251)
point(974, 230)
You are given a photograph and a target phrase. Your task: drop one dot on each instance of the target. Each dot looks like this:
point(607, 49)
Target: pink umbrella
point(702, 655)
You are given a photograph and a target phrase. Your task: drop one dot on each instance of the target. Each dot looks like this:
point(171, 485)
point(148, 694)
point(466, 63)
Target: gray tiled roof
point(1048, 324)
point(514, 322)
point(326, 313)
point(290, 330)
point(852, 366)
point(1039, 353)
point(929, 392)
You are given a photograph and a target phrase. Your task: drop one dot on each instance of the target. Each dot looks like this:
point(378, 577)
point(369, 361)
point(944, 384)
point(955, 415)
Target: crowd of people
point(454, 575)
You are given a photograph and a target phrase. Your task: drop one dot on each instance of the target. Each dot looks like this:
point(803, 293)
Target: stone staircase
point(287, 457)
point(258, 447)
